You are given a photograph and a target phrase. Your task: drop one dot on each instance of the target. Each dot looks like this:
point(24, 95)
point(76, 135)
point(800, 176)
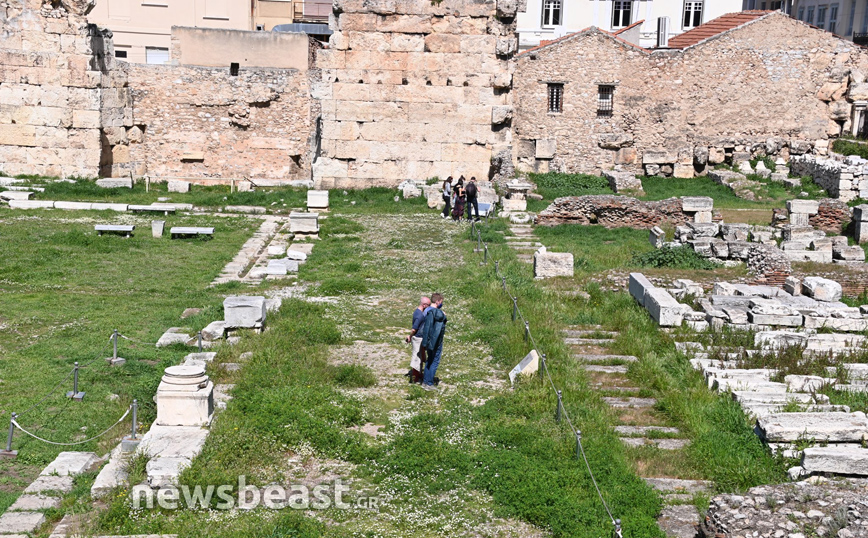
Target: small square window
point(120, 54)
point(556, 97)
point(605, 100)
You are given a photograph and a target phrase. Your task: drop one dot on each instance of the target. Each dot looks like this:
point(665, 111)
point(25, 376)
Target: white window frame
point(154, 49)
point(552, 13)
point(690, 11)
point(618, 9)
point(833, 18)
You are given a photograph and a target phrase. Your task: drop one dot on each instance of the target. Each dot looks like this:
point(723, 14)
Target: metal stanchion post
point(526, 330)
point(503, 282)
point(135, 419)
point(578, 444)
point(9, 453)
point(74, 393)
point(618, 528)
point(497, 267)
point(485, 256)
point(478, 243)
point(543, 367)
point(558, 412)
point(131, 443)
point(514, 309)
point(115, 345)
point(200, 341)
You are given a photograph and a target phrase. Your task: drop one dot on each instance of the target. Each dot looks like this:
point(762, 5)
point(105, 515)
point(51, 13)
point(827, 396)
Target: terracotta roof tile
point(546, 42)
point(714, 27)
point(624, 29)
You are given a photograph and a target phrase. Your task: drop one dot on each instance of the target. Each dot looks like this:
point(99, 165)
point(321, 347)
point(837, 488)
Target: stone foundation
point(845, 178)
point(618, 212)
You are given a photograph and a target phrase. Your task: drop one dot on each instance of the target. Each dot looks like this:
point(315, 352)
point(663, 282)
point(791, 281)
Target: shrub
point(848, 147)
point(554, 185)
point(682, 257)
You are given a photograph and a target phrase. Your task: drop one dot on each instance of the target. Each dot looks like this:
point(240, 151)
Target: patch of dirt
point(387, 363)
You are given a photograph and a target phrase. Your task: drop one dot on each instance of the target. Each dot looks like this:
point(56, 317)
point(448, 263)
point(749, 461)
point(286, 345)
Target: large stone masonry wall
point(774, 86)
point(201, 122)
point(59, 87)
point(414, 89)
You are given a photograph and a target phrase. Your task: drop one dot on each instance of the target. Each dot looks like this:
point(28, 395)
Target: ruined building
point(745, 84)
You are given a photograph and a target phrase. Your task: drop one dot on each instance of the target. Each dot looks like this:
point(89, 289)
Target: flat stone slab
point(31, 204)
point(662, 444)
point(173, 336)
point(61, 484)
point(173, 441)
point(70, 464)
point(32, 503)
point(781, 398)
point(644, 430)
point(112, 475)
point(630, 402)
point(306, 248)
point(605, 369)
point(679, 521)
point(21, 522)
point(677, 485)
point(849, 461)
point(587, 341)
point(604, 358)
point(15, 195)
point(164, 472)
point(832, 427)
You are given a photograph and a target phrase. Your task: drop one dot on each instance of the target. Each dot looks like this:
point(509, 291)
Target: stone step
point(587, 341)
point(662, 444)
point(678, 485)
point(644, 430)
point(605, 369)
point(612, 388)
point(21, 522)
point(523, 248)
point(593, 358)
point(519, 239)
point(829, 459)
point(629, 402)
point(830, 427)
point(679, 521)
point(581, 333)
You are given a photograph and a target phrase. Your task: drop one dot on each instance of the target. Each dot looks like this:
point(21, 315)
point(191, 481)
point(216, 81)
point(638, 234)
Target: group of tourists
point(426, 335)
point(459, 196)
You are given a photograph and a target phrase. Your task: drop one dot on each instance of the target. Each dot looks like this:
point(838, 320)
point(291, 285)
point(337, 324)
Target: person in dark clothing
point(417, 333)
point(447, 196)
point(435, 327)
point(458, 199)
point(472, 203)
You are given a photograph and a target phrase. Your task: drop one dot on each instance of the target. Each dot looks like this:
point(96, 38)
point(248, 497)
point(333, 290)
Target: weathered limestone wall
point(774, 86)
point(414, 89)
point(614, 212)
point(201, 122)
point(59, 87)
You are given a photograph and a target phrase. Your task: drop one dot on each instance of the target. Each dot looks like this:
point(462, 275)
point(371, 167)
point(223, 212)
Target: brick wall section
point(414, 89)
point(832, 216)
point(613, 212)
point(58, 89)
point(200, 122)
point(772, 86)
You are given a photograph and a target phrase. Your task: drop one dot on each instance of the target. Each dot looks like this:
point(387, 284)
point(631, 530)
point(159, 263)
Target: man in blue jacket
point(435, 326)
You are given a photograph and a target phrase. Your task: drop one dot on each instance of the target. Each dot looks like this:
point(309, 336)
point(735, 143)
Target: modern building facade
point(844, 18)
point(545, 20)
point(142, 28)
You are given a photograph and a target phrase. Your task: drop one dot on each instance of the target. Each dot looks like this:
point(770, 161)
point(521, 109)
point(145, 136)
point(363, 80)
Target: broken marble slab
point(838, 460)
point(834, 427)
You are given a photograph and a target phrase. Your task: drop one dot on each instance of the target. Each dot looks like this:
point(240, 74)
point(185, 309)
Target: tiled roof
point(714, 27)
point(624, 29)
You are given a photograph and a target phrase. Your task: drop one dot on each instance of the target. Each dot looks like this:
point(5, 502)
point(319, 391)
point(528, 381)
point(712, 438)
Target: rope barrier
point(15, 423)
point(561, 411)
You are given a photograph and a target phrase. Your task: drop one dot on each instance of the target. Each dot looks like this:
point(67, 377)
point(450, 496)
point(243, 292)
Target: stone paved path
point(523, 241)
point(640, 426)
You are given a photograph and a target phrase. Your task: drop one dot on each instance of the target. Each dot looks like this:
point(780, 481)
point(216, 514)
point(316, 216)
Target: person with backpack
point(447, 196)
point(459, 197)
point(472, 203)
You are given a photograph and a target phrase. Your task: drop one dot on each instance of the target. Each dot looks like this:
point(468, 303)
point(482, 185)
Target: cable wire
point(76, 443)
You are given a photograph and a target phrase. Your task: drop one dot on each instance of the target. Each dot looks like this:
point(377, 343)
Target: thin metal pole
point(526, 330)
point(514, 309)
point(75, 380)
point(558, 412)
point(200, 341)
point(11, 432)
point(115, 345)
point(503, 281)
point(478, 242)
point(485, 256)
point(497, 267)
point(542, 370)
point(472, 227)
point(578, 444)
point(135, 418)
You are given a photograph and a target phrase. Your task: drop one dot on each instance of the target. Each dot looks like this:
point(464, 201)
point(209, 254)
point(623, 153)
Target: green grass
point(660, 188)
point(64, 289)
point(849, 147)
point(595, 248)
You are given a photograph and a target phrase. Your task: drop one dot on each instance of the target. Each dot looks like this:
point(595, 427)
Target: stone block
point(854, 253)
point(735, 232)
point(62, 484)
point(683, 170)
point(71, 464)
point(17, 135)
point(638, 286)
point(809, 256)
point(115, 182)
point(738, 250)
point(244, 312)
point(696, 203)
point(810, 207)
point(21, 522)
point(31, 204)
point(552, 264)
point(185, 397)
point(317, 199)
point(706, 230)
point(703, 217)
point(861, 232)
point(215, 330)
point(800, 219)
point(773, 320)
point(514, 204)
point(793, 285)
point(174, 335)
point(546, 149)
point(622, 181)
point(446, 43)
point(657, 237)
point(860, 213)
point(296, 255)
point(73, 206)
point(837, 460)
point(306, 223)
point(501, 114)
point(15, 195)
point(659, 156)
point(663, 308)
point(529, 365)
point(98, 206)
point(821, 289)
point(175, 185)
point(34, 502)
point(835, 427)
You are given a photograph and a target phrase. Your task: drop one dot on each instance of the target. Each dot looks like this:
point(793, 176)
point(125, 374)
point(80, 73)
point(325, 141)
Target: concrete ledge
point(31, 204)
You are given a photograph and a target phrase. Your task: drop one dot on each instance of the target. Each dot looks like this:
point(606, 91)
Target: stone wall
point(201, 122)
point(59, 88)
point(775, 86)
point(845, 178)
point(614, 212)
point(414, 89)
